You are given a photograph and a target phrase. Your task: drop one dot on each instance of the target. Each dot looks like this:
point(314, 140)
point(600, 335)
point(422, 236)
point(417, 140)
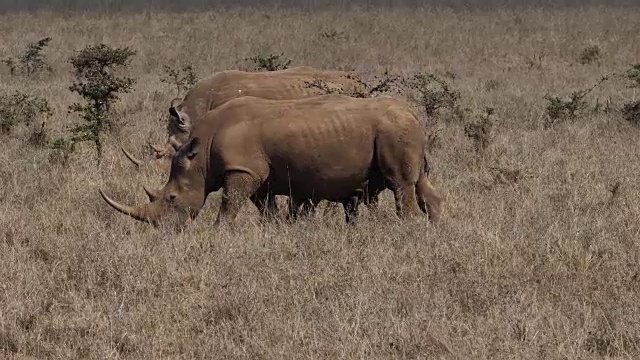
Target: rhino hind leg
point(266, 204)
point(238, 187)
point(406, 200)
point(400, 169)
point(295, 206)
point(429, 200)
point(351, 208)
point(330, 209)
point(299, 207)
point(308, 208)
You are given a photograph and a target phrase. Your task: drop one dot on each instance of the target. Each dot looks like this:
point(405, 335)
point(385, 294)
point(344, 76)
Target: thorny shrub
point(631, 112)
point(568, 108)
point(31, 61)
point(589, 55)
point(633, 74)
point(379, 85)
point(272, 62)
point(183, 78)
point(433, 94)
point(480, 131)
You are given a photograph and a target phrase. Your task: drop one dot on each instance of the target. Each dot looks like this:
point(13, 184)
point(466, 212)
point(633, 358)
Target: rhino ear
point(192, 148)
point(179, 119)
point(173, 112)
point(175, 102)
point(173, 108)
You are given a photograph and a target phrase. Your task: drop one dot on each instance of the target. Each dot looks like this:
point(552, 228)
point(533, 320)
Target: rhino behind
point(208, 94)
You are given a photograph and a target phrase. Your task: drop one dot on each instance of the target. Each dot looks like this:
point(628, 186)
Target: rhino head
point(178, 126)
point(178, 203)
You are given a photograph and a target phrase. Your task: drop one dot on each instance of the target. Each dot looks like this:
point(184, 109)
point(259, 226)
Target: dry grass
point(536, 258)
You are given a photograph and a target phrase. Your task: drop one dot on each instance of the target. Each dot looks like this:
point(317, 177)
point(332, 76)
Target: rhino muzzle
point(154, 213)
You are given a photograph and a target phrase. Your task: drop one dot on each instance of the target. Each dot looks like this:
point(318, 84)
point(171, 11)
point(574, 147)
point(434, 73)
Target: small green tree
point(95, 82)
point(273, 62)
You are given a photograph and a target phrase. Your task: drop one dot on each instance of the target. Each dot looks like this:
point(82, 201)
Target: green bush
point(95, 82)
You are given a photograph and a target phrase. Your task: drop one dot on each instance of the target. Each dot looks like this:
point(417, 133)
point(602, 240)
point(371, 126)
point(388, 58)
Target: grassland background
point(191, 5)
point(543, 268)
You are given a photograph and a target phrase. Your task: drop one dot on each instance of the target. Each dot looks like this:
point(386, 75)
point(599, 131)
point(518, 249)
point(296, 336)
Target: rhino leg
point(428, 199)
point(406, 201)
point(330, 209)
point(238, 187)
point(400, 169)
point(351, 208)
point(299, 207)
point(308, 208)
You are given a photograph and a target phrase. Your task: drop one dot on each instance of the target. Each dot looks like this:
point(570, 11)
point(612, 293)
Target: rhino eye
point(171, 197)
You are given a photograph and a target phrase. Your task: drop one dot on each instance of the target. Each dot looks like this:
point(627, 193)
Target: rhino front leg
point(238, 187)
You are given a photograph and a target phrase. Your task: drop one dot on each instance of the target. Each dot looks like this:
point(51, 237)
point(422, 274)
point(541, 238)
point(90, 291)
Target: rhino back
point(320, 147)
point(292, 83)
point(281, 87)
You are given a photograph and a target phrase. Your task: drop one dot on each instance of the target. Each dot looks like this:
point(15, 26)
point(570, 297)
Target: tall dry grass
point(540, 266)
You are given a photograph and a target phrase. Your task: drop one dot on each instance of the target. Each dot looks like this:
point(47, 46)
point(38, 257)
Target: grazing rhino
point(208, 94)
point(329, 147)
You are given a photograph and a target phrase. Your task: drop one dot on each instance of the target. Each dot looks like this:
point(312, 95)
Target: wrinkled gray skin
point(210, 93)
point(323, 148)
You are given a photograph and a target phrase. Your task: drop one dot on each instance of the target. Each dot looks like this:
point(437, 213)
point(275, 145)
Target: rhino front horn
point(134, 212)
point(130, 157)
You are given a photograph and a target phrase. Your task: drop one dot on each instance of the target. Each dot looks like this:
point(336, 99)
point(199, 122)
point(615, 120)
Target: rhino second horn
point(152, 194)
point(127, 210)
point(130, 157)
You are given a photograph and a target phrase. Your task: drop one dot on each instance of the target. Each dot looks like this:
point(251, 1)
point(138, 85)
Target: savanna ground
point(536, 256)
